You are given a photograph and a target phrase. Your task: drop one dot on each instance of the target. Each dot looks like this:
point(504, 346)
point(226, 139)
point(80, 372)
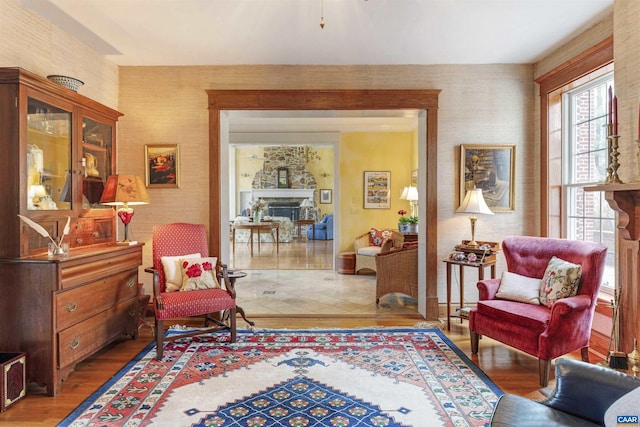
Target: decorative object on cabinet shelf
point(122, 191)
point(66, 81)
point(474, 203)
point(162, 167)
point(58, 248)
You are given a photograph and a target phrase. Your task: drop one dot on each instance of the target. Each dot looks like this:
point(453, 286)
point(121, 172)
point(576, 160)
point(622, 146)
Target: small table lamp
point(410, 194)
point(306, 204)
point(474, 203)
point(122, 191)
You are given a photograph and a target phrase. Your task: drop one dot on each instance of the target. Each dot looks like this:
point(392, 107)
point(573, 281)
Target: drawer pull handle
point(71, 307)
point(131, 282)
point(74, 344)
point(132, 312)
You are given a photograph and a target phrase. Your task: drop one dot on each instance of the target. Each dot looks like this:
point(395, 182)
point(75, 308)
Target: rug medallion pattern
point(297, 378)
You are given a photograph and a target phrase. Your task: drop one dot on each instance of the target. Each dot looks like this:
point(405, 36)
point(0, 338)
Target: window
point(587, 215)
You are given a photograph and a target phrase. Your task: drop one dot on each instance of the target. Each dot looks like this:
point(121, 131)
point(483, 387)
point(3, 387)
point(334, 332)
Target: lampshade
point(474, 203)
point(412, 194)
point(124, 190)
point(403, 195)
point(306, 203)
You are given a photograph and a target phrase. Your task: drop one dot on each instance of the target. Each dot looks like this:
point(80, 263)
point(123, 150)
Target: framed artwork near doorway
point(376, 189)
point(162, 165)
point(492, 168)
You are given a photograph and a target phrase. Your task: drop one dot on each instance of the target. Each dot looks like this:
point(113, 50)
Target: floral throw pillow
point(378, 237)
point(172, 266)
point(561, 280)
point(199, 273)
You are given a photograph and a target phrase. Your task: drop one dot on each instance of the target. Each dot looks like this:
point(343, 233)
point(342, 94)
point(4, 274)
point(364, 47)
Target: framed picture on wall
point(377, 186)
point(492, 168)
point(162, 168)
point(325, 196)
point(283, 178)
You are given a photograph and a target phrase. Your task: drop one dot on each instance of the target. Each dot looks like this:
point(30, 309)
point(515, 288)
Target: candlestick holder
point(612, 169)
point(634, 359)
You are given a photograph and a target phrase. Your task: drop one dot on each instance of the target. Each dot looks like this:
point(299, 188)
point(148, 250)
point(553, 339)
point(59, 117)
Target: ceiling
point(233, 32)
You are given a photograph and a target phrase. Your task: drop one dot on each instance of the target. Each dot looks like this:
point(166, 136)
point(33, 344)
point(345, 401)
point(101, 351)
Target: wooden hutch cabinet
point(58, 148)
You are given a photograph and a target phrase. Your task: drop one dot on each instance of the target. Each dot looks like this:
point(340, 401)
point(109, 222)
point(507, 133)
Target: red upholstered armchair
point(172, 243)
point(543, 332)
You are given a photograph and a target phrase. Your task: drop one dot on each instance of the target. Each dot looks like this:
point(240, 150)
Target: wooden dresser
point(60, 310)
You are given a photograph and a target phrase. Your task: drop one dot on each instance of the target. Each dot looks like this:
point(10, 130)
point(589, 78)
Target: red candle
point(615, 115)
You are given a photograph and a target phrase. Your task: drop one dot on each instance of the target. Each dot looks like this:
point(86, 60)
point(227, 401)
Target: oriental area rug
point(294, 378)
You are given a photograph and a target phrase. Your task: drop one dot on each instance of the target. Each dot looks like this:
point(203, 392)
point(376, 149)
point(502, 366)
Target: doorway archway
point(383, 99)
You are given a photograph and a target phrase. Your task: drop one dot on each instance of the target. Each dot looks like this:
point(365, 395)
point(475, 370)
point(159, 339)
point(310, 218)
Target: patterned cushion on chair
point(194, 303)
point(378, 237)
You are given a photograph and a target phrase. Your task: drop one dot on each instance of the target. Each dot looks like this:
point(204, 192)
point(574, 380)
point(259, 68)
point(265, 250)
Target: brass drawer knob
point(131, 282)
point(74, 344)
point(71, 307)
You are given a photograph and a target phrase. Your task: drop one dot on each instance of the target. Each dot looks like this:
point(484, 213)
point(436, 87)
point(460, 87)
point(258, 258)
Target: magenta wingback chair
point(183, 239)
point(546, 333)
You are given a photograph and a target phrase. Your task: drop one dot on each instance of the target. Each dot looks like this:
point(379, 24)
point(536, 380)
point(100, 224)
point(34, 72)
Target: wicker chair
point(366, 252)
point(397, 272)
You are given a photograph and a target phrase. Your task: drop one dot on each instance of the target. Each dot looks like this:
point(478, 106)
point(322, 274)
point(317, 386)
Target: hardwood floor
point(512, 371)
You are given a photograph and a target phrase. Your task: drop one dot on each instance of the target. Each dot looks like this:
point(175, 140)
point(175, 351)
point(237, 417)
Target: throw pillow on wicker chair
point(378, 237)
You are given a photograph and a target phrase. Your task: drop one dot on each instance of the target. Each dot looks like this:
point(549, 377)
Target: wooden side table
point(310, 222)
point(488, 262)
point(410, 237)
point(233, 276)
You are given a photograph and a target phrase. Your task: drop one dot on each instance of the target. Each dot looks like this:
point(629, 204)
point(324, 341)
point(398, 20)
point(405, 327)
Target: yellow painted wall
point(360, 152)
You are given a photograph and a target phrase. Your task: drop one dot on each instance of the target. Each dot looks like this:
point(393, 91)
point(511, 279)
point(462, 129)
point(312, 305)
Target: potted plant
point(407, 224)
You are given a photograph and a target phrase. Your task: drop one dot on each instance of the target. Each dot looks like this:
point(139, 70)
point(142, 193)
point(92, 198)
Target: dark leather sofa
point(582, 394)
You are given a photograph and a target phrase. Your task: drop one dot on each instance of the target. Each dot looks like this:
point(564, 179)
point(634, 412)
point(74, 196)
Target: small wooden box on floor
point(14, 383)
point(347, 263)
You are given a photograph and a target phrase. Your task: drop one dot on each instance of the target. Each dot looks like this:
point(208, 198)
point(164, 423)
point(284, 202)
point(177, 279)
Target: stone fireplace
point(283, 197)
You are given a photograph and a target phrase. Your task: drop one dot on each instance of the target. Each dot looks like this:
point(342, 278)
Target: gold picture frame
point(492, 168)
point(162, 165)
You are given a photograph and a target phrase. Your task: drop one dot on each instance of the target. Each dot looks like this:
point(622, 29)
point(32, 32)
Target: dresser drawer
point(83, 339)
point(79, 274)
point(75, 305)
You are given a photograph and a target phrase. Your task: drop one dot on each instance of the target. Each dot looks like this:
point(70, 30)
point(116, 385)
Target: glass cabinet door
point(49, 178)
point(97, 161)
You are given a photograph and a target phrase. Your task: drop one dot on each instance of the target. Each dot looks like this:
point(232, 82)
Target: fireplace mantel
point(282, 193)
point(624, 199)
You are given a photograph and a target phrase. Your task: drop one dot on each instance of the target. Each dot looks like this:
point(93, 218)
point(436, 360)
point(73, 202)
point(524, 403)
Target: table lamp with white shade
point(474, 204)
point(306, 204)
